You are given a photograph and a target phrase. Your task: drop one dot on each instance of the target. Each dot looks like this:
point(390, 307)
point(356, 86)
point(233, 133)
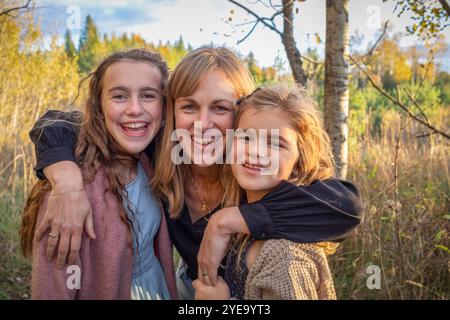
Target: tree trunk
point(292, 53)
point(336, 81)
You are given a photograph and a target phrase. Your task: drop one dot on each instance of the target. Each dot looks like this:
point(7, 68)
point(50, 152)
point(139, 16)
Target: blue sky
point(206, 21)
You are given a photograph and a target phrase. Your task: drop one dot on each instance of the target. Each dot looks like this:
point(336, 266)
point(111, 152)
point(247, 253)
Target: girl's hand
point(220, 291)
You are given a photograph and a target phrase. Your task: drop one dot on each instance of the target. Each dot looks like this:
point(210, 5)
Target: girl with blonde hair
point(277, 269)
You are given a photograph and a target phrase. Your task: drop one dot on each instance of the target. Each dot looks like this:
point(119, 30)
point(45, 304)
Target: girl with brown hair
point(123, 114)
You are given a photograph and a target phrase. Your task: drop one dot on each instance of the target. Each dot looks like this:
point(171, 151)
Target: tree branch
point(311, 60)
point(445, 6)
point(258, 18)
point(7, 12)
point(287, 35)
point(370, 52)
point(399, 103)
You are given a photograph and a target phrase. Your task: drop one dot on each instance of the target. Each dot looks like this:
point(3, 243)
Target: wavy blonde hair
point(188, 76)
point(315, 161)
point(95, 147)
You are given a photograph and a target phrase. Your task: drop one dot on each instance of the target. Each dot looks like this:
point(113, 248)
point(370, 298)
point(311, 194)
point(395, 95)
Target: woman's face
point(132, 104)
point(254, 175)
point(213, 104)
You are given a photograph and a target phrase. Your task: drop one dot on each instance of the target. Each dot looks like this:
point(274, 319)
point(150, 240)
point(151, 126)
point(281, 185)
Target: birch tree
point(336, 81)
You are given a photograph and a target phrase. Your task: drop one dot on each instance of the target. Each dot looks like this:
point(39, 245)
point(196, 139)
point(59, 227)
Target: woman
point(203, 87)
point(123, 114)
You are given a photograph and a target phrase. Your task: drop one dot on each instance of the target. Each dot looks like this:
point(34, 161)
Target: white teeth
point(254, 167)
point(203, 141)
point(137, 125)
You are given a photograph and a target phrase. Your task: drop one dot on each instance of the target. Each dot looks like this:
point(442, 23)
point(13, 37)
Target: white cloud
point(205, 21)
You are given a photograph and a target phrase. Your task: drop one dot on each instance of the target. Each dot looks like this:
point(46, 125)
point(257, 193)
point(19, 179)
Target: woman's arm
point(47, 281)
point(326, 210)
point(54, 136)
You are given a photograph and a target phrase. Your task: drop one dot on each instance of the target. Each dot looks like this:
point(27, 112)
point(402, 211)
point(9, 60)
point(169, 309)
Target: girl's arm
point(221, 291)
point(326, 210)
point(285, 270)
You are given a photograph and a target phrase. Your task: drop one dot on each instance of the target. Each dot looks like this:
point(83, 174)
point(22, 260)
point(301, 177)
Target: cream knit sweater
point(286, 270)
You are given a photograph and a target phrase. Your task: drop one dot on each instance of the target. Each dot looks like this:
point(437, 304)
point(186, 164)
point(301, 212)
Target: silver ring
point(52, 236)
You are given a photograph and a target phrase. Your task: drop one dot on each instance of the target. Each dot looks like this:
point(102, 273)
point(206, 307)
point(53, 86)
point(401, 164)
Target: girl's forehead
point(136, 73)
point(263, 117)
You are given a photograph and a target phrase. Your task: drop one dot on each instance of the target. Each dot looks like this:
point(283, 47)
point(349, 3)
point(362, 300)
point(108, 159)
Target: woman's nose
point(205, 118)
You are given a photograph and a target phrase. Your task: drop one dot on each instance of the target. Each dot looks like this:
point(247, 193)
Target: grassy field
point(14, 269)
point(406, 197)
point(405, 232)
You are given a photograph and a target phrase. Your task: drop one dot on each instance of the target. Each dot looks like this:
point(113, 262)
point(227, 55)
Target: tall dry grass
point(404, 183)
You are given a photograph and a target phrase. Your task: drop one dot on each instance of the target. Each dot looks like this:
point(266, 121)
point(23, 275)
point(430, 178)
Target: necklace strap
point(205, 207)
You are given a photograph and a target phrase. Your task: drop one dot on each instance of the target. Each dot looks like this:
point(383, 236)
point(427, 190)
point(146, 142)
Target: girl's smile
point(132, 104)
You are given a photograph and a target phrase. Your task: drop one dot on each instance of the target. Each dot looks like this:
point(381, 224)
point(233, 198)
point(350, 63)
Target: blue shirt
point(148, 281)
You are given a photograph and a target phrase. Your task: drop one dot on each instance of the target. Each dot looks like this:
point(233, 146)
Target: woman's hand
point(215, 240)
point(220, 291)
point(68, 211)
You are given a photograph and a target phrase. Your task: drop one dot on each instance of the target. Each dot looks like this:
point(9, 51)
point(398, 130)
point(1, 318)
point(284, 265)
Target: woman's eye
point(149, 96)
point(188, 107)
point(119, 97)
point(221, 109)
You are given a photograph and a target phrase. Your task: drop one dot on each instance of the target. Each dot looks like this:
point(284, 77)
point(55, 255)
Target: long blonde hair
point(95, 147)
point(315, 161)
point(189, 74)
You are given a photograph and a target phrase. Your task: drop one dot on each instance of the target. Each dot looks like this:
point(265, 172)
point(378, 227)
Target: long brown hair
point(315, 161)
point(189, 74)
point(95, 147)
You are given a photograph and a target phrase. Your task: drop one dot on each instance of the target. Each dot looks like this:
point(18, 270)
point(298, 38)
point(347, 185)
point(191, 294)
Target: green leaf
point(442, 247)
point(439, 235)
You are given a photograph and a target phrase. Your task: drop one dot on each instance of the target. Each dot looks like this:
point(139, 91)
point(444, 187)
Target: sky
point(207, 21)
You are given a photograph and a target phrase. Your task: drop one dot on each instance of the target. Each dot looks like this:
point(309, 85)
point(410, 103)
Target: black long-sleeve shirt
point(326, 210)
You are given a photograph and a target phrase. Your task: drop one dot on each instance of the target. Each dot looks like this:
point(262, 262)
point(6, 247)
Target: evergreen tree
point(89, 44)
point(69, 45)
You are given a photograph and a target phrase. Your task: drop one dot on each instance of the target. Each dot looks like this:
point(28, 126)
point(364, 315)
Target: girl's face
point(132, 104)
point(250, 175)
point(213, 105)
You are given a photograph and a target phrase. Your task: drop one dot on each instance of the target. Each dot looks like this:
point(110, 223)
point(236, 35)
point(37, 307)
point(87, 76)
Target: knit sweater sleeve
point(284, 270)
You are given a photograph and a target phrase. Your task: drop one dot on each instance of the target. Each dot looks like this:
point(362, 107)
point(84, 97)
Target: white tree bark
point(336, 106)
